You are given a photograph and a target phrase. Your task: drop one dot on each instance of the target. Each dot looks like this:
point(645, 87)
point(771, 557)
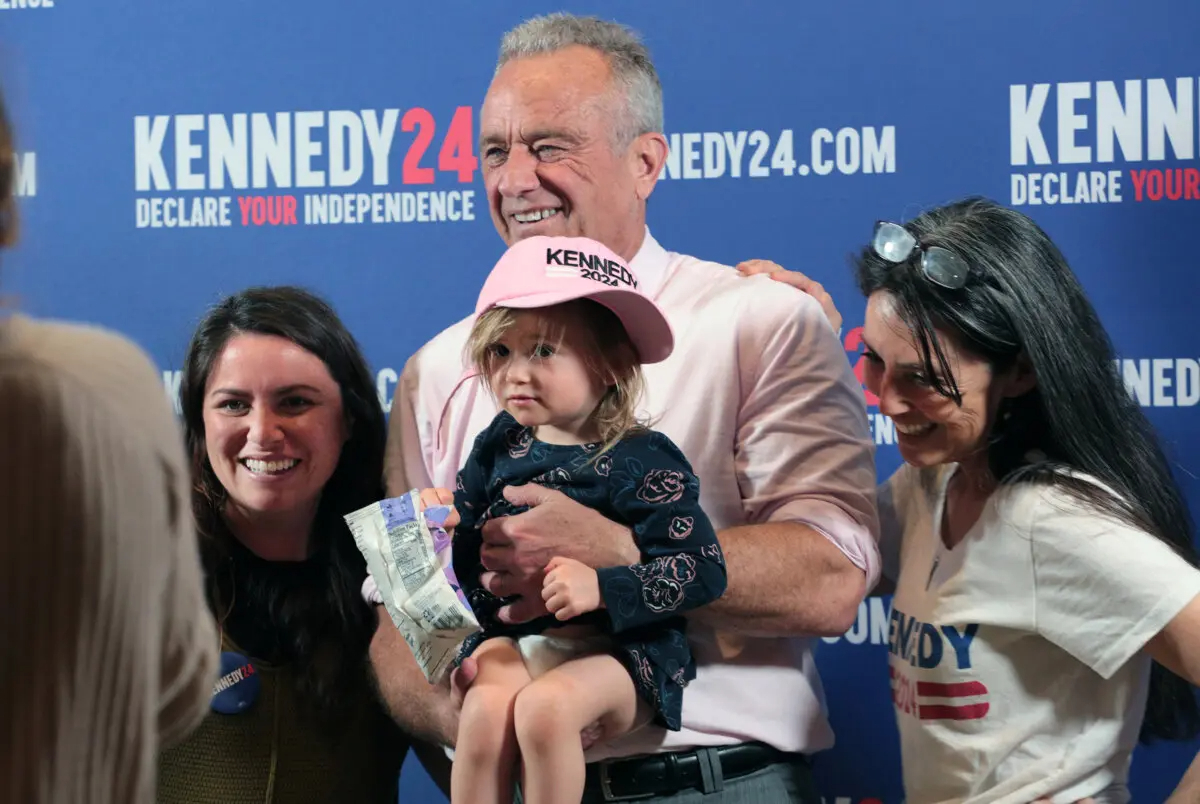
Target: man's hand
point(517, 549)
point(570, 589)
point(798, 281)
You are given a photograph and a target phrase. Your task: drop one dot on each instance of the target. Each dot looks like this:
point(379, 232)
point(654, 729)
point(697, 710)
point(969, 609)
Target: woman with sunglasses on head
point(286, 435)
point(1045, 608)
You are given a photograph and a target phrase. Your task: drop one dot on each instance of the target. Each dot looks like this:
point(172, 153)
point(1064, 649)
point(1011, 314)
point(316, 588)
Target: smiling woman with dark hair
point(1036, 516)
point(1046, 606)
point(109, 652)
point(286, 436)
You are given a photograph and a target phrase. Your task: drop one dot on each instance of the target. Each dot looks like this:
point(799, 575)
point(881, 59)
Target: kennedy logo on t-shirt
point(928, 647)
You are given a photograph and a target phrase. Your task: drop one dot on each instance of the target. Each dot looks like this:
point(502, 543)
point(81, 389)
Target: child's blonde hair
point(607, 352)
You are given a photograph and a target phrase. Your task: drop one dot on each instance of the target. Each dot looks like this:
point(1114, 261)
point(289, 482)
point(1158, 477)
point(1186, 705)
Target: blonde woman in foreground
point(110, 652)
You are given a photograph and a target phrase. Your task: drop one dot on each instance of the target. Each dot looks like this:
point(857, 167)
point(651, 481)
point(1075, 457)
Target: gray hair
point(632, 68)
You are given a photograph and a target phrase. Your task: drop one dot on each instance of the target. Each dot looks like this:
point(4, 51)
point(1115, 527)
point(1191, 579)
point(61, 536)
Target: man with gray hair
point(758, 394)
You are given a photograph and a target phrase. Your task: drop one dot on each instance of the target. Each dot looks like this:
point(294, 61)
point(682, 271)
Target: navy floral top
point(643, 482)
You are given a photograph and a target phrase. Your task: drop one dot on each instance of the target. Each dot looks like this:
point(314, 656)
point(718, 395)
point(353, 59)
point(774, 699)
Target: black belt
point(658, 774)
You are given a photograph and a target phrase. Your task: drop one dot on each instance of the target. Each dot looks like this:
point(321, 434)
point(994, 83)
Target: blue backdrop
point(266, 126)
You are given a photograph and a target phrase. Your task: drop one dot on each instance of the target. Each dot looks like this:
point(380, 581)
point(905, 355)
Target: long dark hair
point(1021, 299)
point(312, 617)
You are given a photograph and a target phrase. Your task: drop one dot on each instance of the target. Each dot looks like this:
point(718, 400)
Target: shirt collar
point(649, 265)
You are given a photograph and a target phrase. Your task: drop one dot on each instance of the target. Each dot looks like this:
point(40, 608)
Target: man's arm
point(754, 555)
point(889, 535)
point(785, 578)
point(425, 711)
point(806, 466)
point(404, 466)
point(422, 709)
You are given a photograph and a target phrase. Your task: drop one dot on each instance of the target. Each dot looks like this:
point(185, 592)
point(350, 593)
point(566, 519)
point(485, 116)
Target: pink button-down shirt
point(760, 397)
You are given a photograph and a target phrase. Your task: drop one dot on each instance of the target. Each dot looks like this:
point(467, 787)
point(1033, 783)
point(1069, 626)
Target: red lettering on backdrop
point(422, 120)
point(458, 149)
point(1174, 183)
point(1174, 188)
point(854, 344)
point(1154, 185)
point(1138, 177)
point(277, 210)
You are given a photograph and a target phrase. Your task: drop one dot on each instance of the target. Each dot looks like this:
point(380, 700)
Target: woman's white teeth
point(535, 216)
point(268, 467)
point(915, 429)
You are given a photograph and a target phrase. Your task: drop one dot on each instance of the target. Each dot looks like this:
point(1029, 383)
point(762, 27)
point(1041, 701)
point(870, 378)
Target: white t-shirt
point(1014, 657)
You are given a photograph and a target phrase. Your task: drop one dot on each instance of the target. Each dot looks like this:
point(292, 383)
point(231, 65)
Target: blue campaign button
point(237, 684)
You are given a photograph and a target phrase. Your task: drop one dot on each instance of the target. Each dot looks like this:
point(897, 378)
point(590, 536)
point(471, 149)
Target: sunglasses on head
point(940, 266)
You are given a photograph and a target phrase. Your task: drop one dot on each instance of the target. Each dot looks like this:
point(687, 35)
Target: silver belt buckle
point(606, 787)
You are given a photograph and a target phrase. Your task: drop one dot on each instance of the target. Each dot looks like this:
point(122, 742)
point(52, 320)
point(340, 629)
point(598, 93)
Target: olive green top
point(273, 754)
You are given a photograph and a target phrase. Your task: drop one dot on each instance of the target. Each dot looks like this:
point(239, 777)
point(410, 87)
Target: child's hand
point(431, 498)
point(570, 588)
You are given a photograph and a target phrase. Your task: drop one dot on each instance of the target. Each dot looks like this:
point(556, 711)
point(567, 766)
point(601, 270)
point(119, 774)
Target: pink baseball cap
point(542, 271)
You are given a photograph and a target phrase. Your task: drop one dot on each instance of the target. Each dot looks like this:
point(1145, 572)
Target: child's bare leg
point(485, 754)
point(555, 708)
